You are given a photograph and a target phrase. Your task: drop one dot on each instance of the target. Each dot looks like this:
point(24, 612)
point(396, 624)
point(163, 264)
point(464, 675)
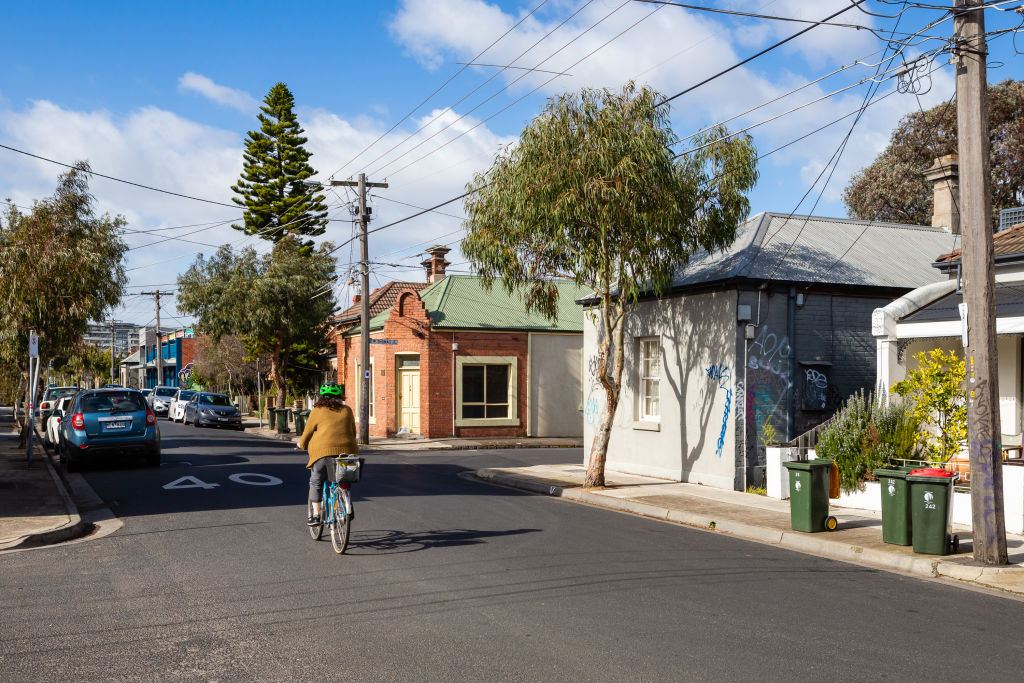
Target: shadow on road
point(388, 541)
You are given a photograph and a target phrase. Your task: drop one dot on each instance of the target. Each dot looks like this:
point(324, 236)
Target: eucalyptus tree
point(277, 301)
point(62, 266)
point(593, 191)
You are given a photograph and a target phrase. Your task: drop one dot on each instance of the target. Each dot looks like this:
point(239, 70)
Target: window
point(650, 379)
point(485, 391)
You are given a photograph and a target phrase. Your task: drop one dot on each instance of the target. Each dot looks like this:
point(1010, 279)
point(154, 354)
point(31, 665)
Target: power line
point(440, 88)
point(758, 54)
point(493, 95)
point(119, 180)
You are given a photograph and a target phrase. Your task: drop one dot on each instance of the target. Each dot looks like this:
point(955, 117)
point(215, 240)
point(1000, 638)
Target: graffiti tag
point(721, 373)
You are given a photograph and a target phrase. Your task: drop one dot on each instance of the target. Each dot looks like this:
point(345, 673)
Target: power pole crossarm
point(983, 425)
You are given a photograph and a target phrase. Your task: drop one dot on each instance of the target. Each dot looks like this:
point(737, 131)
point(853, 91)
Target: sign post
point(33, 378)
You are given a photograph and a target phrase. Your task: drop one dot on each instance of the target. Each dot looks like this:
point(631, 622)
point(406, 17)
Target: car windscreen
point(185, 395)
point(60, 392)
point(214, 400)
point(165, 391)
point(126, 401)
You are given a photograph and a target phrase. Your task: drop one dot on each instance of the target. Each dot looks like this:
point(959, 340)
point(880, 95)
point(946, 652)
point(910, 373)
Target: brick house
point(451, 358)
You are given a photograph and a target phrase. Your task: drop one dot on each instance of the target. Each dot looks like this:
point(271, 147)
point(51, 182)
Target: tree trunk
point(612, 383)
point(277, 372)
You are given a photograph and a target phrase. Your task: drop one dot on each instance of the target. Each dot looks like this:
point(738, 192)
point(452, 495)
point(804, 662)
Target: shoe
point(313, 521)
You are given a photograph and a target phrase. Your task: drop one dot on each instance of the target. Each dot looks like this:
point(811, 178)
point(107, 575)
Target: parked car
point(51, 435)
point(160, 399)
point(176, 412)
point(214, 410)
point(105, 421)
point(50, 397)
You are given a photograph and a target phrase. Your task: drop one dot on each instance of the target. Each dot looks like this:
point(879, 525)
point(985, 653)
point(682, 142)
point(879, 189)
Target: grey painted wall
point(806, 369)
point(556, 365)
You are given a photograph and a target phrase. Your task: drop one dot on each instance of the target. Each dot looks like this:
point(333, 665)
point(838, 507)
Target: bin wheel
point(831, 523)
point(956, 544)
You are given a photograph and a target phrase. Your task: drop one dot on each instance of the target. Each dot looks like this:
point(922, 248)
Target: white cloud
point(221, 94)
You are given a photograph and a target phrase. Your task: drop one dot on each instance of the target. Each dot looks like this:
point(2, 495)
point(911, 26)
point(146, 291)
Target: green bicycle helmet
point(330, 390)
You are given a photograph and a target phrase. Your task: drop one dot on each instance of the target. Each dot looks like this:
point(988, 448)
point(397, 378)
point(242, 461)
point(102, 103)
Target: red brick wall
point(410, 326)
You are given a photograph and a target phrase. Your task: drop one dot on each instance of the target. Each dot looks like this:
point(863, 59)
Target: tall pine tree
point(276, 201)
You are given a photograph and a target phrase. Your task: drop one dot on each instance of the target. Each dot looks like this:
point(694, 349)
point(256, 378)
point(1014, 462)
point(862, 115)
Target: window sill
point(646, 426)
point(487, 422)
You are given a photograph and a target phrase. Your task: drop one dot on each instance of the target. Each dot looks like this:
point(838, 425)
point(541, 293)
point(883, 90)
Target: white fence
point(871, 497)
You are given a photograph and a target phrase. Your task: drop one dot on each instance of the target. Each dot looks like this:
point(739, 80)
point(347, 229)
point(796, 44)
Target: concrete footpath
point(35, 506)
point(758, 518)
point(378, 443)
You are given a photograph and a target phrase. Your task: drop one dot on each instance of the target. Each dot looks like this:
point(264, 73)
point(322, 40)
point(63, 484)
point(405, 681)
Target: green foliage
point(268, 299)
point(936, 388)
point(275, 164)
point(594, 192)
point(62, 266)
point(893, 187)
point(866, 434)
point(757, 490)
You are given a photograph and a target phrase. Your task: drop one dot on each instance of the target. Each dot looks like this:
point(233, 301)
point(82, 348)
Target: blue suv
point(105, 421)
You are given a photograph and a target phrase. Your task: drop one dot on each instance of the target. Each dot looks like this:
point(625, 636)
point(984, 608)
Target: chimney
point(436, 264)
point(356, 299)
point(945, 178)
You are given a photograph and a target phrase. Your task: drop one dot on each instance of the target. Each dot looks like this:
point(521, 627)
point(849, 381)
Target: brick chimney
point(436, 264)
point(356, 299)
point(945, 178)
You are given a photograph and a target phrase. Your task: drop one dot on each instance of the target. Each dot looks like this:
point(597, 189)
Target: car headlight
point(204, 411)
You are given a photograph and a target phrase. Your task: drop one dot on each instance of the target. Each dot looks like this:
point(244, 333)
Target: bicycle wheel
point(340, 525)
point(314, 531)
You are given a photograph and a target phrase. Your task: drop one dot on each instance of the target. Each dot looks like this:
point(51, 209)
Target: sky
point(162, 95)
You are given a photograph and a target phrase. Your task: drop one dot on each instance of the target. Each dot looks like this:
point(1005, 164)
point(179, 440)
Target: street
point(214, 577)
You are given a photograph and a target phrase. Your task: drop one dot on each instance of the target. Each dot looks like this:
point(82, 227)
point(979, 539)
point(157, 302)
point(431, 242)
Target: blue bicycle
point(336, 507)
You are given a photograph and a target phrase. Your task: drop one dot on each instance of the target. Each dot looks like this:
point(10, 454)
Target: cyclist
point(330, 431)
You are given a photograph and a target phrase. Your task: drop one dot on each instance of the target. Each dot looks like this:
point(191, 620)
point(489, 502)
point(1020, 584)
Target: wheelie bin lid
point(807, 464)
point(891, 473)
point(933, 474)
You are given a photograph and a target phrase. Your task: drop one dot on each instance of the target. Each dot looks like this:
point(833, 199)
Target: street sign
point(391, 342)
point(33, 345)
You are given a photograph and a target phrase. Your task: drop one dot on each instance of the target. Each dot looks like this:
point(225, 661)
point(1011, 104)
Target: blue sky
point(163, 95)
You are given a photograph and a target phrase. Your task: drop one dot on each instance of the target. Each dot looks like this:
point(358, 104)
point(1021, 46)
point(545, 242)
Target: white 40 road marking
point(248, 478)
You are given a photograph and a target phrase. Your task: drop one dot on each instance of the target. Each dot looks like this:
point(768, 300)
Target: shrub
point(936, 388)
point(868, 433)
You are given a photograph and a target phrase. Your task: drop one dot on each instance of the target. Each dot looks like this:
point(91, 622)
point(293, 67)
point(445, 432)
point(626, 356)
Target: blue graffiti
point(592, 411)
point(721, 373)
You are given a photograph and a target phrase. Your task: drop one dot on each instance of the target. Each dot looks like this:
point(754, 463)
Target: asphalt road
point(451, 579)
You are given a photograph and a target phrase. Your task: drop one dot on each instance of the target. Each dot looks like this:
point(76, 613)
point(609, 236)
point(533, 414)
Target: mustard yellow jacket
point(329, 432)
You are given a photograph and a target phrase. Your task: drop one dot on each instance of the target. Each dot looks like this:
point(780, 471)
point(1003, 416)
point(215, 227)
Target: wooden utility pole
point(112, 340)
point(364, 313)
point(159, 351)
point(983, 428)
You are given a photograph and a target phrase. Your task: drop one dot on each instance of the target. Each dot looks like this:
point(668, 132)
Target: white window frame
point(643, 376)
point(513, 397)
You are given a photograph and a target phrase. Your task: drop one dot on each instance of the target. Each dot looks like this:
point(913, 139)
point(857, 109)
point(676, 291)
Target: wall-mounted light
point(800, 299)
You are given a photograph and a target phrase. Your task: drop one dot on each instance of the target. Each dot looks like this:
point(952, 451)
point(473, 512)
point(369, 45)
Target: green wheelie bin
point(931, 503)
point(300, 421)
point(896, 514)
point(282, 420)
point(808, 495)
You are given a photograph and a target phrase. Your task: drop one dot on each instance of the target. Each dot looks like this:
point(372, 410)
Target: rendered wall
point(555, 379)
point(694, 440)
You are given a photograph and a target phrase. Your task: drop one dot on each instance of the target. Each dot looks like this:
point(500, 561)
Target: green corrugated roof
point(461, 302)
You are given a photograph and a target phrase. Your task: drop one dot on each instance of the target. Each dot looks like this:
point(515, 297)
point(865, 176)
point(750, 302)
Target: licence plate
point(222, 419)
point(116, 425)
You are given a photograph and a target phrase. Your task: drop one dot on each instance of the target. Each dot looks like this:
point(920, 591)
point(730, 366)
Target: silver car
point(160, 400)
